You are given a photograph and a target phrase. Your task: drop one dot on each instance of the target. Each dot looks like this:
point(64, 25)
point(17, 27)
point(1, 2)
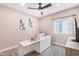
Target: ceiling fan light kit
point(41, 13)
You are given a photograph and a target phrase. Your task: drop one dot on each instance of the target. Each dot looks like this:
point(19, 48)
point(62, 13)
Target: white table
point(39, 45)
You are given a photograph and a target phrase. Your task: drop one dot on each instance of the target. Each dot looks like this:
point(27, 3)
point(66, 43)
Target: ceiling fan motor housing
point(39, 7)
point(39, 3)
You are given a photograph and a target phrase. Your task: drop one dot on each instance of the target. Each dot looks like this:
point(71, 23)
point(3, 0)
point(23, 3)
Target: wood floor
point(54, 50)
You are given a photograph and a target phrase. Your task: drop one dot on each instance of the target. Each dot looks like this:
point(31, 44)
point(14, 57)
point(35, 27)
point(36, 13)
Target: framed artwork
point(24, 23)
point(30, 23)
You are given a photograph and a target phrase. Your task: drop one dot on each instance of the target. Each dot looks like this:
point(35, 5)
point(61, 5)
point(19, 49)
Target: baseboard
point(9, 48)
point(58, 44)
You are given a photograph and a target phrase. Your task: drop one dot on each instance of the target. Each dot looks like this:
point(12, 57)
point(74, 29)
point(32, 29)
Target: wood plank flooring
point(54, 50)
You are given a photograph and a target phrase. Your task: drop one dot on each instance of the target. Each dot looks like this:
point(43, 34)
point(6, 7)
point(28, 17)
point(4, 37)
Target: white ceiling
point(56, 7)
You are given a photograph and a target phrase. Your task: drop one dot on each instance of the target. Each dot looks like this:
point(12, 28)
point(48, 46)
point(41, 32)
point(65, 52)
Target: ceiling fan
point(40, 6)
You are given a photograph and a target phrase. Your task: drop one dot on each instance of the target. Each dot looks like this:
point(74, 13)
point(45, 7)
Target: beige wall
point(46, 24)
point(10, 34)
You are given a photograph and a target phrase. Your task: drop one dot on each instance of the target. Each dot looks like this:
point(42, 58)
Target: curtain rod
point(63, 17)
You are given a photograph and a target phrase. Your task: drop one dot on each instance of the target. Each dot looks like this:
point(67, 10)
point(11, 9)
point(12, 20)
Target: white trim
point(9, 48)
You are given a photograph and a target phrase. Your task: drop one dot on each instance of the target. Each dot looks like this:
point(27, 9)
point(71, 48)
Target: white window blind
point(64, 25)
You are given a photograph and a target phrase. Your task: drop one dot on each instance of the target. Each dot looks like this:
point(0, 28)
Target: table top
point(29, 42)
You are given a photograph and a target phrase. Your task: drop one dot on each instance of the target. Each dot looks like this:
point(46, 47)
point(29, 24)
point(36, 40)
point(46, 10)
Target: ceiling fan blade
point(33, 8)
point(46, 6)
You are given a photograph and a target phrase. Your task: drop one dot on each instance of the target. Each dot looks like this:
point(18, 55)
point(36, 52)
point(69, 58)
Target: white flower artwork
point(24, 23)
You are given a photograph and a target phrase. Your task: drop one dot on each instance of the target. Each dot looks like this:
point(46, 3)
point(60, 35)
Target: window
point(57, 27)
point(64, 25)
